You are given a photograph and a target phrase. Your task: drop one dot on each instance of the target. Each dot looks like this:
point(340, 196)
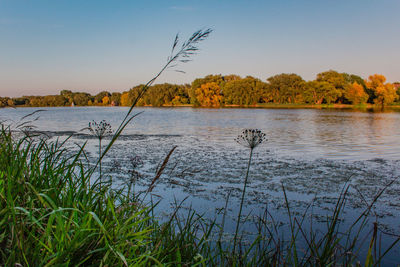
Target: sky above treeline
point(47, 46)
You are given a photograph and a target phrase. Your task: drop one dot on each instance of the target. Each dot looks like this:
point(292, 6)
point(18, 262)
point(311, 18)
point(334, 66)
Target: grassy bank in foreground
point(53, 213)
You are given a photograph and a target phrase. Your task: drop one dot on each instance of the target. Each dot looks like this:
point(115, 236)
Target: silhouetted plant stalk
point(100, 130)
point(135, 162)
point(182, 55)
point(249, 138)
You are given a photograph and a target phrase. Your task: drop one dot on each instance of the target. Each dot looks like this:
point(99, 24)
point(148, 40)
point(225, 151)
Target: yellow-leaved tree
point(355, 94)
point(125, 100)
point(385, 92)
point(209, 95)
point(105, 100)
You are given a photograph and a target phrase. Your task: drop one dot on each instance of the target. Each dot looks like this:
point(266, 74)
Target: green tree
point(66, 93)
point(115, 99)
point(98, 99)
point(36, 101)
point(284, 88)
point(21, 101)
point(163, 94)
point(247, 91)
point(132, 94)
point(69, 95)
point(54, 101)
point(81, 99)
point(317, 92)
point(231, 77)
point(338, 80)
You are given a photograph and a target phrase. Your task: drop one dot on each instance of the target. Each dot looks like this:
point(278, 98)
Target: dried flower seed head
point(100, 129)
point(251, 138)
point(135, 161)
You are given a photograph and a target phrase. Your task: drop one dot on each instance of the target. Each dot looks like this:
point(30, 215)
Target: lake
point(314, 153)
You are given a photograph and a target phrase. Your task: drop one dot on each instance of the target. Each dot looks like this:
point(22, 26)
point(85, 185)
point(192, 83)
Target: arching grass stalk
point(250, 138)
point(178, 55)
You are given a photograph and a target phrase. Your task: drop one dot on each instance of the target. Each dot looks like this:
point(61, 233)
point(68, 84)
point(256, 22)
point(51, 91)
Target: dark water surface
point(312, 152)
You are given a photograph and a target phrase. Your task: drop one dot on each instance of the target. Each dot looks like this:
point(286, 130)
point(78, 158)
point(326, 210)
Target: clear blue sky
point(94, 45)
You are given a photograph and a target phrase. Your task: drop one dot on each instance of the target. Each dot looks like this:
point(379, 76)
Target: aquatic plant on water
point(134, 174)
point(249, 138)
point(100, 130)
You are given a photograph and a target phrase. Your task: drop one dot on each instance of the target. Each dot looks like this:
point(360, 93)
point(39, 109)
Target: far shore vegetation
point(330, 89)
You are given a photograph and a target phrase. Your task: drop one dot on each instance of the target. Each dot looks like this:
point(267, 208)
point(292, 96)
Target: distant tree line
point(329, 87)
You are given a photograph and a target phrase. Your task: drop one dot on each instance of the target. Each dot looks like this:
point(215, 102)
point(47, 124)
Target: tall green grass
point(52, 215)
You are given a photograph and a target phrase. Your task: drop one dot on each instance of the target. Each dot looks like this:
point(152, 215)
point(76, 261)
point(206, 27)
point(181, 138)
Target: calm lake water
point(312, 152)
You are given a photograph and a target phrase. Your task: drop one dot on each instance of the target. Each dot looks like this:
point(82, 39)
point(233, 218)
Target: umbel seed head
point(251, 138)
point(100, 129)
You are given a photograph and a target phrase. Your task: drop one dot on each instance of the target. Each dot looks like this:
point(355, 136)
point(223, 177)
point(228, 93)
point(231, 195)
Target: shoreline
point(259, 106)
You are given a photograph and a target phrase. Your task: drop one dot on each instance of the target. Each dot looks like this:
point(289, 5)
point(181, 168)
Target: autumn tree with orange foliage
point(209, 95)
point(105, 100)
point(355, 94)
point(329, 87)
point(125, 101)
point(385, 92)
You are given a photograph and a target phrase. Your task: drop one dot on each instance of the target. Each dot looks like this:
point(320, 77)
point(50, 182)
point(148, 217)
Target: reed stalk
point(242, 200)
